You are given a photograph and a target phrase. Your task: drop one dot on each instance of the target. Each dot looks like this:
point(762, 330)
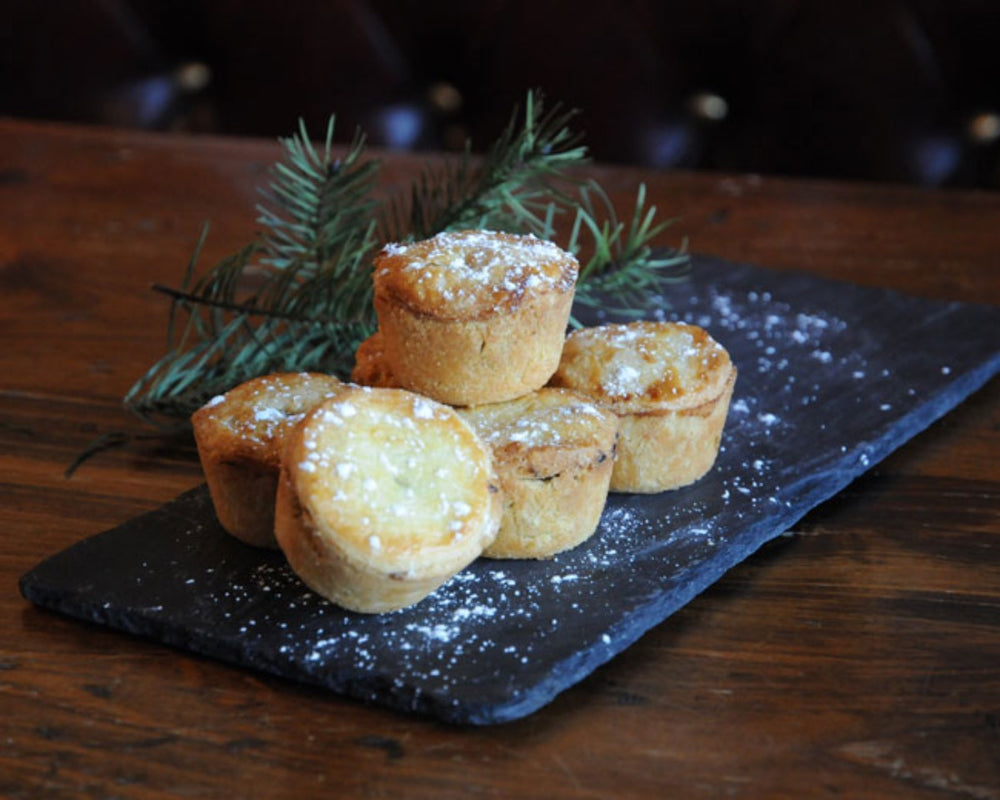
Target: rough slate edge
point(43, 585)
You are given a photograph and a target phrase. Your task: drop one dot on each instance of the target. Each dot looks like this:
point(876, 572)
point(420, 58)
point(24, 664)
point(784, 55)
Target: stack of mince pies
point(473, 426)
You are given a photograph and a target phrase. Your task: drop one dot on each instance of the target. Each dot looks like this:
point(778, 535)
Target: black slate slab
point(833, 377)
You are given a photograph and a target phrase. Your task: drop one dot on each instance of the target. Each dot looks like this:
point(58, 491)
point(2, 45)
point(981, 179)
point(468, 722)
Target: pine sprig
point(299, 297)
point(312, 304)
point(623, 268)
point(514, 187)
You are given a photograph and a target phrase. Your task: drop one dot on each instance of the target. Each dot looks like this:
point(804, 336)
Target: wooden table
point(859, 657)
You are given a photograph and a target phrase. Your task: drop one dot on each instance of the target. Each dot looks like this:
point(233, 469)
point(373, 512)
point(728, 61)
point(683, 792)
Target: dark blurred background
point(888, 90)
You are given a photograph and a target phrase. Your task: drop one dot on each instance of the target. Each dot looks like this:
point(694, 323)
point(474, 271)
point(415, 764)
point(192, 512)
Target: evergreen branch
point(238, 353)
point(623, 268)
point(247, 309)
point(512, 189)
point(299, 297)
point(309, 259)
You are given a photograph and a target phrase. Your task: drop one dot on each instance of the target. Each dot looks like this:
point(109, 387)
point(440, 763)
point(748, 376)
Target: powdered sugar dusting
point(623, 380)
point(263, 409)
point(466, 270)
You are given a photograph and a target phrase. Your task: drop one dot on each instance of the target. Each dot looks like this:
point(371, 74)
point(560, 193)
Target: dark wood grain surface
point(858, 656)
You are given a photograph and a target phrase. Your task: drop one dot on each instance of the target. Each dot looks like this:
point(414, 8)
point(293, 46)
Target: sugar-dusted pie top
point(250, 421)
point(639, 366)
point(395, 478)
point(470, 274)
point(546, 432)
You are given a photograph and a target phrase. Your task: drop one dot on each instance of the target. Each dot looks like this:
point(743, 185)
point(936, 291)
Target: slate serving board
point(833, 377)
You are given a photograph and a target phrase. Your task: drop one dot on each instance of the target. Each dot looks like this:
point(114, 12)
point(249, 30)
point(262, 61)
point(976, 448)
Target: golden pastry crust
point(474, 316)
point(554, 451)
point(370, 365)
point(384, 495)
point(669, 382)
point(240, 436)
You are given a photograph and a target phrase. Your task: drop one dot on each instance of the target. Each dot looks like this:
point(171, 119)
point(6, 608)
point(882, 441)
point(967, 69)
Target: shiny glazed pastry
point(553, 451)
point(240, 436)
point(384, 495)
point(473, 316)
point(670, 384)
